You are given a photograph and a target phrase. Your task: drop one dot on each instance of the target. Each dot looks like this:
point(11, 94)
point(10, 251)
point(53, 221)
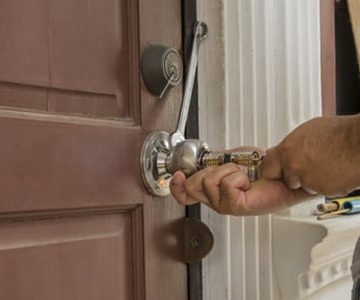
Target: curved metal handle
point(200, 33)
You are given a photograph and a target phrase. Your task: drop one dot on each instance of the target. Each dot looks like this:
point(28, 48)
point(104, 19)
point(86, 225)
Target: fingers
point(267, 196)
point(270, 167)
point(292, 180)
point(211, 182)
point(227, 190)
point(232, 188)
point(211, 186)
point(223, 182)
point(189, 191)
point(177, 187)
point(309, 190)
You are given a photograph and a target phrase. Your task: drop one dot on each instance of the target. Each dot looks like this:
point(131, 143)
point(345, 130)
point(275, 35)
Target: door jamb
point(189, 17)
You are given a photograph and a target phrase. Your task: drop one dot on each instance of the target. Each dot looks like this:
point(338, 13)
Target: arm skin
point(320, 156)
point(227, 190)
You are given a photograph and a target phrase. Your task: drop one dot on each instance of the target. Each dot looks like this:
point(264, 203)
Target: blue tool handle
point(353, 205)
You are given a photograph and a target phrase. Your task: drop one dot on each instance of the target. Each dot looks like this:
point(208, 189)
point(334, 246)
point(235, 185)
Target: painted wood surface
point(75, 219)
point(328, 65)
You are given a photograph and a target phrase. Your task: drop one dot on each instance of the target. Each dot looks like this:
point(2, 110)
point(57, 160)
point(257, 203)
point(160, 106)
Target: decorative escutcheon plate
point(152, 162)
point(199, 240)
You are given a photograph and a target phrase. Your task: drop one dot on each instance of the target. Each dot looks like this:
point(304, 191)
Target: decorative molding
point(259, 78)
point(47, 117)
point(67, 213)
point(312, 281)
point(212, 125)
point(310, 254)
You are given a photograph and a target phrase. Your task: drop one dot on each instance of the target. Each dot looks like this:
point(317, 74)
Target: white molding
point(310, 255)
point(212, 121)
point(312, 281)
point(259, 77)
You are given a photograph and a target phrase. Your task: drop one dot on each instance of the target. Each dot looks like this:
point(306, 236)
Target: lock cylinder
point(190, 156)
point(214, 159)
point(250, 160)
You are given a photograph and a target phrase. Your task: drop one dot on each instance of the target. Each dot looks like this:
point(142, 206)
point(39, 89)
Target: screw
point(157, 187)
point(196, 241)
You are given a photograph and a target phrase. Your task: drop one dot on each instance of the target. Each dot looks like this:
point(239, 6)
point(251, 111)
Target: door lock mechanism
point(161, 68)
point(163, 154)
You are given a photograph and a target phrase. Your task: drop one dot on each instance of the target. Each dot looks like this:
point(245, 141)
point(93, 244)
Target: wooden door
point(75, 219)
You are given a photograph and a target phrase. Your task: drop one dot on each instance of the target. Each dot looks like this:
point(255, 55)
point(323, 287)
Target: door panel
point(75, 219)
point(55, 165)
point(75, 54)
point(89, 257)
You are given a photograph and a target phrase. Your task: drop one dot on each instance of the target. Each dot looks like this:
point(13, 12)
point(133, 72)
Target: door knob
point(163, 154)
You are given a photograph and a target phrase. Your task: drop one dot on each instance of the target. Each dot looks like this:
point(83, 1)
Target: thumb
point(177, 187)
point(270, 167)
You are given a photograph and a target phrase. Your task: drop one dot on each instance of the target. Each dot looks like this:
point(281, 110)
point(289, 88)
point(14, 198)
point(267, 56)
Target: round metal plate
point(154, 149)
point(199, 240)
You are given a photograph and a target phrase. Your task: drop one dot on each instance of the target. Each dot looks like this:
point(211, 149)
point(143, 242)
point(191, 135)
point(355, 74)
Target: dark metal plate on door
point(199, 240)
point(161, 68)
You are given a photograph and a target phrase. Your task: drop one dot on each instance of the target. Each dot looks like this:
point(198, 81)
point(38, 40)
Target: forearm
point(321, 155)
point(351, 140)
point(334, 152)
point(349, 150)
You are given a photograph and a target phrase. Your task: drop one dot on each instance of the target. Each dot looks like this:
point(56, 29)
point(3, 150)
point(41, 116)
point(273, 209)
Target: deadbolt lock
point(161, 68)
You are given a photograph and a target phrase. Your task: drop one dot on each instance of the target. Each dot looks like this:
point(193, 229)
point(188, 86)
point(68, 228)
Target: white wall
point(259, 77)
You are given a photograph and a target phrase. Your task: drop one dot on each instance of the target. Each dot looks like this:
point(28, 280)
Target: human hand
point(321, 156)
point(228, 190)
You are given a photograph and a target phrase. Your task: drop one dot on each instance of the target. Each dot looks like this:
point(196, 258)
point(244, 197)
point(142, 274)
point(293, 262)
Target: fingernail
point(176, 178)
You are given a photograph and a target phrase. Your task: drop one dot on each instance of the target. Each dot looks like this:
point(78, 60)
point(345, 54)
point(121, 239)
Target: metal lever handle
point(200, 34)
point(201, 31)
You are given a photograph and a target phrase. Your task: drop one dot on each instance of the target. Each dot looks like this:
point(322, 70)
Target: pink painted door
point(76, 222)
